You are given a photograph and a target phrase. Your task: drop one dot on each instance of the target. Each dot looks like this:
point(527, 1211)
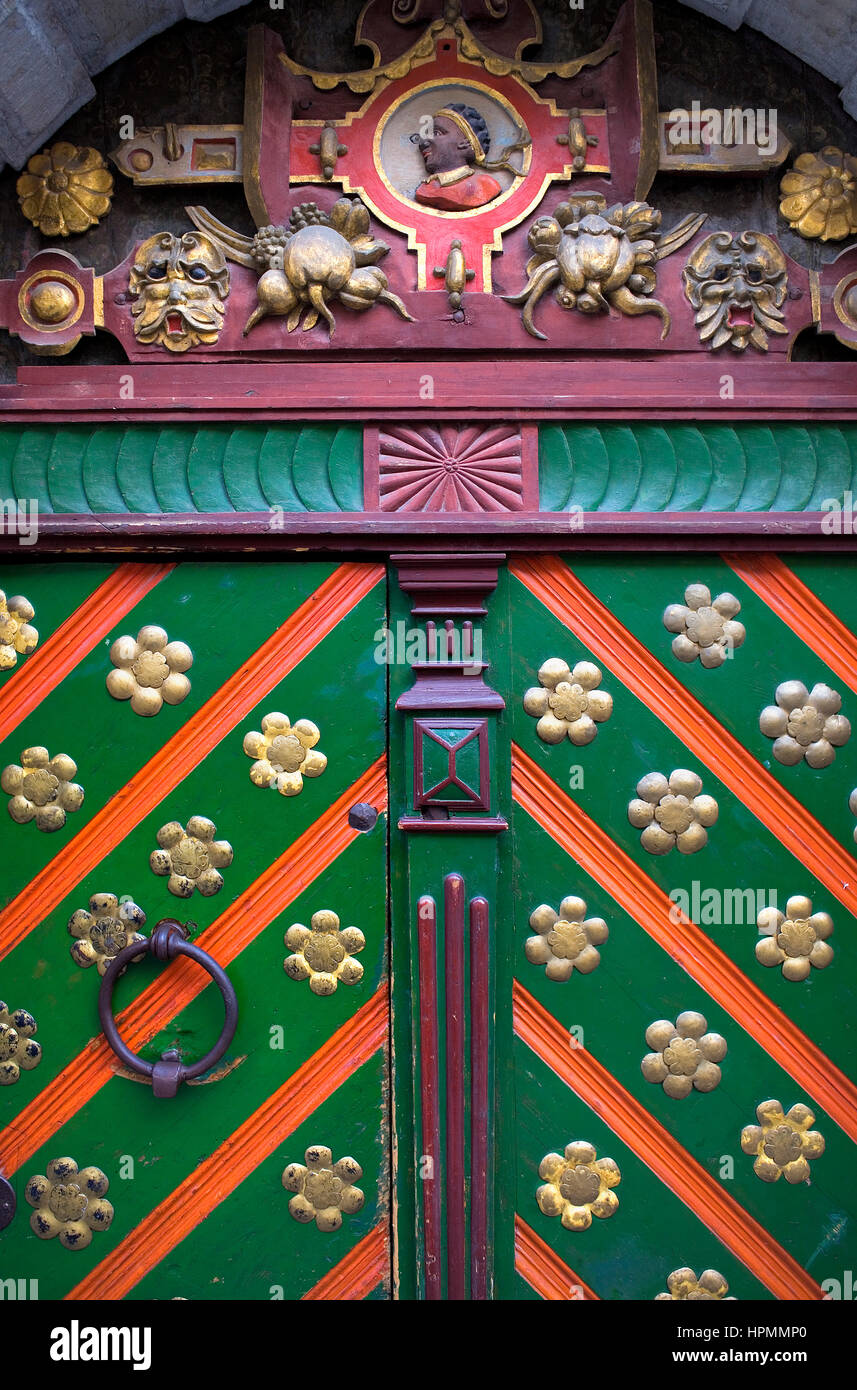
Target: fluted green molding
point(183, 468)
point(695, 468)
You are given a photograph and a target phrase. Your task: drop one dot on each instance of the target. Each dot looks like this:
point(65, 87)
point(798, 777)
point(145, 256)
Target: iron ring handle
point(167, 941)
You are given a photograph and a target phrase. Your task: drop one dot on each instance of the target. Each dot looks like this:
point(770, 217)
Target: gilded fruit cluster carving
point(684, 1055)
point(600, 258)
point(180, 284)
point(323, 1190)
point(285, 753)
point(192, 858)
point(684, 1285)
point(323, 953)
point(795, 939)
point(737, 285)
point(805, 724)
point(70, 1203)
point(567, 703)
point(17, 636)
point(705, 630)
point(149, 670)
point(41, 789)
point(319, 257)
point(65, 189)
point(578, 1186)
point(565, 941)
point(820, 195)
point(783, 1144)
point(19, 1050)
point(104, 930)
point(672, 814)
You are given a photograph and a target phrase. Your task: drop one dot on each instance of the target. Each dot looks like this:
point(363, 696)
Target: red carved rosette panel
point(452, 468)
point(838, 295)
point(51, 303)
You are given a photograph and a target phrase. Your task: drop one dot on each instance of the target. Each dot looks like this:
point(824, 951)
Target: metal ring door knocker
point(168, 940)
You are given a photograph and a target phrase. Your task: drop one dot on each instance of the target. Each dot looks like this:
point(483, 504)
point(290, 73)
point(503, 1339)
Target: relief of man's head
point(460, 137)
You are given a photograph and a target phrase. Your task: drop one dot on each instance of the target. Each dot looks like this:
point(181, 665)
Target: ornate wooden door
point(150, 769)
point(682, 1098)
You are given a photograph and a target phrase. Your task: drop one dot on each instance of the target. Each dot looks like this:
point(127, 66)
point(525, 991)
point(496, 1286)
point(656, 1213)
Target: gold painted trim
point(647, 83)
point(253, 103)
point(51, 327)
point(98, 301)
point(815, 295)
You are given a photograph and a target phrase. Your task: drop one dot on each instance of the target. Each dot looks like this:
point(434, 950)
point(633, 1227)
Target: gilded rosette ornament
point(191, 859)
point(705, 630)
point(565, 941)
point(316, 259)
point(567, 703)
point(149, 670)
point(737, 286)
point(599, 258)
point(820, 195)
point(683, 1285)
point(179, 284)
point(324, 1190)
point(795, 939)
point(672, 813)
point(323, 953)
point(17, 636)
point(69, 1203)
point(783, 1144)
point(104, 930)
point(805, 724)
point(65, 189)
point(684, 1055)
point(578, 1186)
point(41, 789)
point(285, 754)
point(19, 1050)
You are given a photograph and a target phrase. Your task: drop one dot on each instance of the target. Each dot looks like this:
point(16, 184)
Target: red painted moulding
point(561, 387)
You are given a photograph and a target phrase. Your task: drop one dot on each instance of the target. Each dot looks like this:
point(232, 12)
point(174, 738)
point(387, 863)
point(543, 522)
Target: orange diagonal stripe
point(302, 631)
point(237, 1157)
point(74, 639)
point(178, 985)
point(569, 600)
point(791, 600)
point(357, 1274)
point(750, 1242)
point(543, 1270)
point(609, 865)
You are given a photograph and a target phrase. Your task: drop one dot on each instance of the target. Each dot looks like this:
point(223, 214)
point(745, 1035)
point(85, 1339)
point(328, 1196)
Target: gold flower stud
point(65, 189)
point(17, 637)
point(795, 939)
point(19, 1050)
point(783, 1144)
point(104, 930)
point(285, 754)
point(70, 1203)
point(684, 1285)
point(323, 953)
point(567, 703)
point(149, 670)
point(41, 789)
point(191, 858)
point(578, 1186)
point(565, 941)
point(705, 630)
point(820, 195)
point(672, 813)
point(323, 1190)
point(805, 724)
point(684, 1055)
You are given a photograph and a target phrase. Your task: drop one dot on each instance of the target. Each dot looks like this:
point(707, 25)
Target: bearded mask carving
point(180, 284)
point(737, 286)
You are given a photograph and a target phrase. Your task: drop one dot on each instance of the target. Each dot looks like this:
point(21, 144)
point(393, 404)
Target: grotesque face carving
point(180, 284)
point(737, 286)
